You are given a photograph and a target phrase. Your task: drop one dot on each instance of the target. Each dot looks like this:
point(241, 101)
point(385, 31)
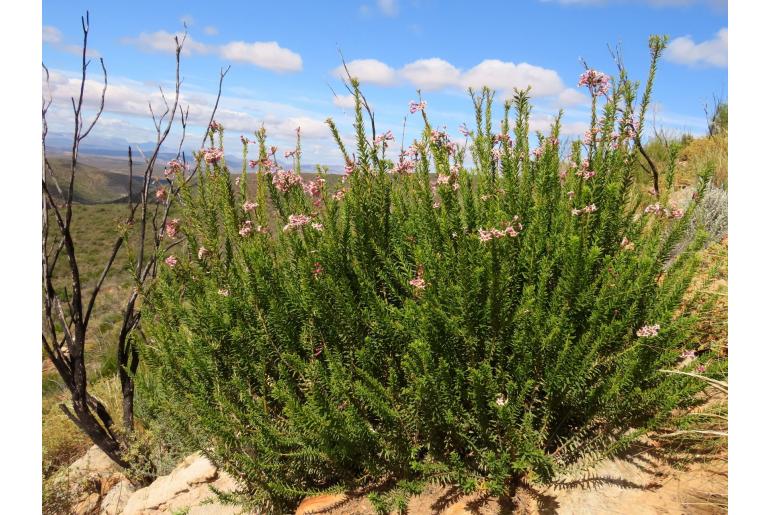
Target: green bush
point(425, 321)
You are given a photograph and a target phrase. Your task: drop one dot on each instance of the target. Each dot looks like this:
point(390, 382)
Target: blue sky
point(284, 56)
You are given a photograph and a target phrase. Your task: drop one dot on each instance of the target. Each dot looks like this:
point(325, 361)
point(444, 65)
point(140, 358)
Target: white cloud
point(368, 71)
point(210, 30)
point(506, 75)
point(712, 52)
point(162, 41)
point(572, 97)
point(267, 55)
point(344, 101)
point(431, 74)
point(388, 7)
point(716, 4)
point(51, 35)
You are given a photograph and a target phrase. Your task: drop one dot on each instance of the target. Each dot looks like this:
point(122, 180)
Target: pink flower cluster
point(216, 127)
point(212, 155)
point(598, 83)
point(339, 194)
point(627, 244)
point(173, 167)
point(296, 221)
point(416, 106)
point(161, 194)
point(246, 228)
point(648, 331)
point(538, 152)
point(284, 180)
point(656, 209)
point(590, 208)
point(418, 282)
point(383, 139)
point(590, 135)
point(171, 261)
point(249, 206)
point(318, 270)
point(314, 188)
point(404, 167)
point(464, 130)
point(511, 231)
point(172, 227)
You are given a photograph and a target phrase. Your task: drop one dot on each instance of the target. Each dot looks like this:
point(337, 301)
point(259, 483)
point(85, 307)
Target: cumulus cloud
point(572, 97)
point(435, 73)
point(506, 75)
point(712, 52)
point(431, 74)
point(263, 54)
point(369, 71)
point(344, 101)
point(267, 55)
point(162, 41)
point(388, 7)
point(716, 4)
point(51, 35)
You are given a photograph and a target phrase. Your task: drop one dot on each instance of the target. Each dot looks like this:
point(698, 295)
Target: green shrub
point(426, 321)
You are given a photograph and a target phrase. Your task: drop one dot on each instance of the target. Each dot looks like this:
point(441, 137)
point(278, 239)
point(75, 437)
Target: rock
point(186, 487)
point(94, 461)
point(320, 503)
point(88, 505)
point(116, 497)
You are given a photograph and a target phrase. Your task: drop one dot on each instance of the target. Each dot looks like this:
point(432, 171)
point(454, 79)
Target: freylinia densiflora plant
point(419, 320)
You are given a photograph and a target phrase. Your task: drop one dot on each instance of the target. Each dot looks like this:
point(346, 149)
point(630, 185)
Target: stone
point(320, 503)
point(94, 461)
point(88, 505)
point(115, 499)
point(186, 487)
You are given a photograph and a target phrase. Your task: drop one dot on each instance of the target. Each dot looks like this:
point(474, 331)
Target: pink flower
point(318, 270)
point(418, 282)
point(215, 127)
point(597, 82)
point(203, 253)
point(383, 139)
point(212, 155)
point(677, 213)
point(249, 206)
point(688, 354)
point(296, 221)
point(314, 188)
point(626, 244)
point(161, 194)
point(416, 106)
point(648, 331)
point(285, 180)
point(171, 261)
point(653, 209)
point(338, 195)
point(404, 167)
point(318, 227)
point(172, 226)
point(173, 167)
point(253, 163)
point(464, 130)
point(700, 368)
point(245, 140)
point(289, 153)
point(246, 228)
point(590, 208)
point(537, 152)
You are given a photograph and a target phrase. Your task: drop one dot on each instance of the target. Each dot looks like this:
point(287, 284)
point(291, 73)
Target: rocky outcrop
point(185, 488)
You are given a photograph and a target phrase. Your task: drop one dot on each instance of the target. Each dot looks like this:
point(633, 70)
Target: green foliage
point(426, 321)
